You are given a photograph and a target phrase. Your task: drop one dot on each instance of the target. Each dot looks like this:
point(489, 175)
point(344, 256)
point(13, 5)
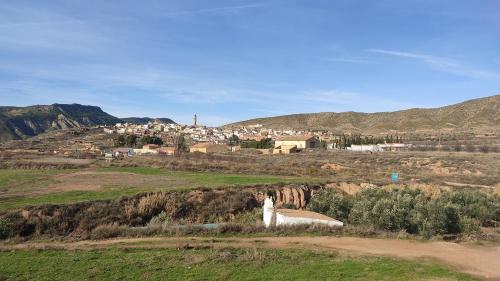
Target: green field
point(210, 264)
point(34, 187)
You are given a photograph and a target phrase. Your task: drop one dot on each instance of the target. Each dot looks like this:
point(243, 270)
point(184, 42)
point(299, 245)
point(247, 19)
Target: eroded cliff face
point(296, 196)
point(195, 206)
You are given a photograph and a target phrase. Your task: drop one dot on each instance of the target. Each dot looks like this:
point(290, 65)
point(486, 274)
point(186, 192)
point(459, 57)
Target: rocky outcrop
point(296, 196)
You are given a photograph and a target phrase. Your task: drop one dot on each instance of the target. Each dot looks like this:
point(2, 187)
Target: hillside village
point(177, 138)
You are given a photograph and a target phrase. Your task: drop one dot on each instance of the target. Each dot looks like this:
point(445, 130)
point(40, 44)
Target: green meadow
point(210, 264)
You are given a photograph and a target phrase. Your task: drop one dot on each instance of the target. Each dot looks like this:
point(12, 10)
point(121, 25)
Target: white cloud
point(442, 64)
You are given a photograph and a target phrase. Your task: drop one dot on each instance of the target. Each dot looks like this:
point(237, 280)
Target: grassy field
point(210, 264)
point(19, 188)
point(210, 179)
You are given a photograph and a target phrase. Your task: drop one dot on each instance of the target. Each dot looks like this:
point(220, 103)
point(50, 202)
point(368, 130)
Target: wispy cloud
point(442, 64)
point(55, 19)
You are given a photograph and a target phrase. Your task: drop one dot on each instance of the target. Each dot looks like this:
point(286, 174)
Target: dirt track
point(482, 261)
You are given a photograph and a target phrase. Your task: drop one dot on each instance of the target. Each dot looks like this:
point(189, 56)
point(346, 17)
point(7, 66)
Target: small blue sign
point(394, 177)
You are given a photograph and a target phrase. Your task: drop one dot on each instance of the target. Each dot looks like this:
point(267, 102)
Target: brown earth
point(334, 167)
point(479, 260)
point(431, 190)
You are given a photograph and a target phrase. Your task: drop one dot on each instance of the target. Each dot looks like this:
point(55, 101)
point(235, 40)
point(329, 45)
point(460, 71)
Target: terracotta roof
point(294, 138)
point(303, 214)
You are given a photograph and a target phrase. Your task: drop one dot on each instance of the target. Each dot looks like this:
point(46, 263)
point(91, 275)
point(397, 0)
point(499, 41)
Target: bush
point(161, 219)
point(5, 229)
point(411, 211)
point(384, 210)
point(484, 149)
point(469, 225)
point(108, 231)
point(331, 203)
point(249, 218)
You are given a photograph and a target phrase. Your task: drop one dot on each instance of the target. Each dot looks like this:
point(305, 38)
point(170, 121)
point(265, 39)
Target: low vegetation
point(411, 211)
point(210, 264)
point(5, 228)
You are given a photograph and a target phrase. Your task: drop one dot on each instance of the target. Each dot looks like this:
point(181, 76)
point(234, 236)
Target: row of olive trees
point(411, 210)
point(457, 148)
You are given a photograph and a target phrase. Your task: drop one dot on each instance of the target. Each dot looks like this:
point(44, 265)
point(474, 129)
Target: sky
point(233, 60)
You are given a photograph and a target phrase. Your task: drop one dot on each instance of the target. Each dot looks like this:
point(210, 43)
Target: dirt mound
point(439, 167)
point(350, 188)
point(334, 167)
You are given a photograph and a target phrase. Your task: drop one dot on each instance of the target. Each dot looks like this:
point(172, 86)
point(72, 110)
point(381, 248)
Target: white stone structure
point(379, 147)
point(272, 216)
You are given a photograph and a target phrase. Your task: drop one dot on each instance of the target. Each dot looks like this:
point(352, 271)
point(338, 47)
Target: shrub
point(5, 229)
point(384, 210)
point(469, 225)
point(411, 211)
point(332, 203)
point(161, 219)
point(152, 204)
point(108, 231)
point(484, 148)
point(249, 218)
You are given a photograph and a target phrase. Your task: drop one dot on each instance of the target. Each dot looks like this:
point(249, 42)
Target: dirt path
point(482, 261)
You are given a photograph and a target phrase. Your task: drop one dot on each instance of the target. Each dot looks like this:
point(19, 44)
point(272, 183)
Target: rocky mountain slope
point(478, 115)
point(24, 122)
point(146, 120)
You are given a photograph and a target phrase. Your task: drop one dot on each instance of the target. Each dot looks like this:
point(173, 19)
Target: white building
point(365, 148)
point(277, 217)
point(379, 147)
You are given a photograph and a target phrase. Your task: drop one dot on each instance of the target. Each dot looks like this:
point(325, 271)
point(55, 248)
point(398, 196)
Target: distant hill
point(146, 120)
point(477, 115)
point(24, 122)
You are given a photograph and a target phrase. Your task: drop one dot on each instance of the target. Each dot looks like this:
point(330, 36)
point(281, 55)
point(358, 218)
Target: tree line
point(344, 141)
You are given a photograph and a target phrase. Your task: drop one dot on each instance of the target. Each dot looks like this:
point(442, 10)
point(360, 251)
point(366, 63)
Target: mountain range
point(477, 115)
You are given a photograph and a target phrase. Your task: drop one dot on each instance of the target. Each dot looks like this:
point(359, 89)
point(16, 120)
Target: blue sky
point(233, 60)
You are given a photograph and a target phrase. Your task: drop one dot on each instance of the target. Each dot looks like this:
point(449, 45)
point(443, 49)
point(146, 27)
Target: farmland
point(34, 187)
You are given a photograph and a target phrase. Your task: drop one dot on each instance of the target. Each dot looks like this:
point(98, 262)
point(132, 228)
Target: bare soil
point(479, 260)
